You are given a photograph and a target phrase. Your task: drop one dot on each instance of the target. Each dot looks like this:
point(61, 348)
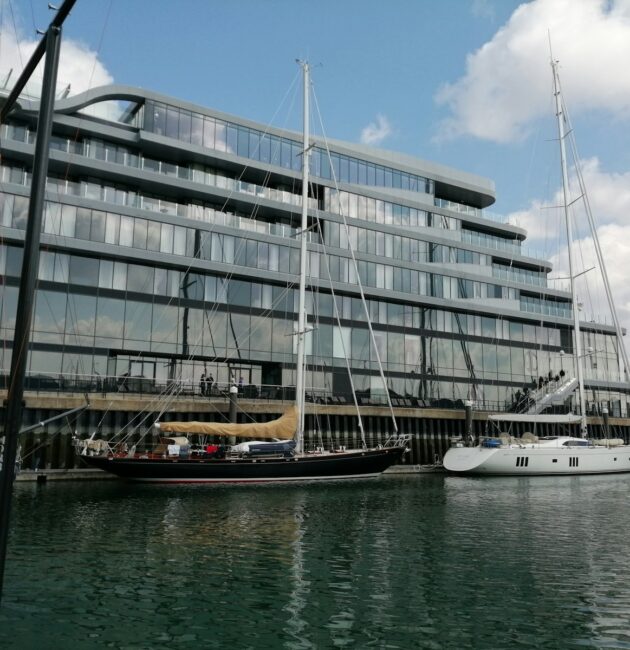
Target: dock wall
point(51, 447)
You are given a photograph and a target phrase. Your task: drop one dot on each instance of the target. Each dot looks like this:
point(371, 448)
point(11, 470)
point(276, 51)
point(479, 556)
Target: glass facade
point(166, 263)
point(259, 145)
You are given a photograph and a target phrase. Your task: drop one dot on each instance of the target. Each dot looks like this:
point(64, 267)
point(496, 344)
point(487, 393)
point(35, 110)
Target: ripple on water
point(426, 562)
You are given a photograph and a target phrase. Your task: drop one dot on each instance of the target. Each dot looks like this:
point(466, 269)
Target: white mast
point(567, 218)
point(301, 324)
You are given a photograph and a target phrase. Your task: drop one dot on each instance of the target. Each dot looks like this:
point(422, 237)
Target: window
point(83, 219)
point(84, 270)
point(97, 232)
point(139, 278)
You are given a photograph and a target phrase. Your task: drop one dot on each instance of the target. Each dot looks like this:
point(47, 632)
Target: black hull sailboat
point(278, 453)
point(308, 467)
point(272, 457)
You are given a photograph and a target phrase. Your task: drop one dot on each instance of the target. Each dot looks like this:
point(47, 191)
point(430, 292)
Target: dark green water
point(412, 562)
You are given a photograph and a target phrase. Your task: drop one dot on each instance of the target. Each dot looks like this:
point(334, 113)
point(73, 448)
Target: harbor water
point(427, 561)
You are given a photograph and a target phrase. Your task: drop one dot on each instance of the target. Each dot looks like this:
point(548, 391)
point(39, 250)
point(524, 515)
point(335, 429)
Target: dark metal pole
point(606, 422)
point(30, 264)
point(57, 21)
point(469, 423)
point(233, 399)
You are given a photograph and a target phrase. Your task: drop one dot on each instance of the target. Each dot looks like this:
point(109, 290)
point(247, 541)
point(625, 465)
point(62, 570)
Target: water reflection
point(407, 562)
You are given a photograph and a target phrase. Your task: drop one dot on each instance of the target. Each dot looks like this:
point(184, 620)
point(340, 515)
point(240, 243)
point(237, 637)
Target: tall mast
point(301, 324)
point(567, 219)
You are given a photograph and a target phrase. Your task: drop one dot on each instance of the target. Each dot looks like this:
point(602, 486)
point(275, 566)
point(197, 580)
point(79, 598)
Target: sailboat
point(561, 453)
point(276, 452)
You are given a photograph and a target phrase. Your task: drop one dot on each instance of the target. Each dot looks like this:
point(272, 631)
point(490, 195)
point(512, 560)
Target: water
point(408, 562)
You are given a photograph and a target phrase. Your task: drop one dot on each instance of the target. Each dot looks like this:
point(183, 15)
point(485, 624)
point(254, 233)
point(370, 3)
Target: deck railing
point(139, 387)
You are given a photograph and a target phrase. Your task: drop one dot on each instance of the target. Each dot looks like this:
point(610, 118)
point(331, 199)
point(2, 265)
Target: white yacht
point(530, 455)
point(559, 453)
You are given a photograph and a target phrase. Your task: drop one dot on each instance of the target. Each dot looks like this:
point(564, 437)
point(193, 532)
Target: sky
point(465, 83)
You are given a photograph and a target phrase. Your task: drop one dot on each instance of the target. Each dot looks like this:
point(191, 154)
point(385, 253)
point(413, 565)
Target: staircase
point(553, 393)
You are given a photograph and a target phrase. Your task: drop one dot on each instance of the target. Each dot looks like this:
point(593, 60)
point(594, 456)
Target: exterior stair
point(555, 392)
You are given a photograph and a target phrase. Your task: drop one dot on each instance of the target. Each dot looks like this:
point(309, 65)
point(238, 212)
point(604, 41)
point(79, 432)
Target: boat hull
point(359, 464)
point(537, 461)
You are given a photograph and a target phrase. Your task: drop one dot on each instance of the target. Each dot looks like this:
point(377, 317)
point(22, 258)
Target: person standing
point(202, 383)
point(122, 382)
point(209, 383)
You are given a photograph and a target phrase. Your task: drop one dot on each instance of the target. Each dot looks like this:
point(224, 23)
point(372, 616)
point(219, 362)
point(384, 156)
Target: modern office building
point(169, 250)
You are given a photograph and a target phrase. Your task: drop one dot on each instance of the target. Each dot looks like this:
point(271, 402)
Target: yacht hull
point(531, 460)
point(355, 464)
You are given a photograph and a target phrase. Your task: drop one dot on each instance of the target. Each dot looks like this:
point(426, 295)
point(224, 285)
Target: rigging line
point(33, 16)
point(268, 174)
point(232, 192)
point(100, 42)
point(221, 239)
point(90, 80)
point(17, 38)
point(197, 345)
point(70, 298)
point(583, 197)
point(358, 278)
point(51, 435)
point(2, 40)
point(593, 226)
point(292, 87)
point(169, 303)
point(166, 397)
point(343, 348)
point(1, 31)
point(252, 331)
point(91, 77)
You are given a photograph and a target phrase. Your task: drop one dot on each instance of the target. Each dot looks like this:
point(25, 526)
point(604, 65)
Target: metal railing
point(139, 387)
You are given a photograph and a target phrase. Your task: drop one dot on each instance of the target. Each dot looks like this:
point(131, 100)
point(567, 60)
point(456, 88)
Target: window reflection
point(250, 143)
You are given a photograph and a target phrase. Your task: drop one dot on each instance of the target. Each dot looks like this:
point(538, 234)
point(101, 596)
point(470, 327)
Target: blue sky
point(370, 58)
point(376, 58)
point(465, 83)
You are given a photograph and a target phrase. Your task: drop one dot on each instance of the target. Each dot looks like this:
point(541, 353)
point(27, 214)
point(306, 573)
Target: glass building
point(169, 250)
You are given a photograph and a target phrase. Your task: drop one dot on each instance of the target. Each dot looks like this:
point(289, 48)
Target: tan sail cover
point(283, 428)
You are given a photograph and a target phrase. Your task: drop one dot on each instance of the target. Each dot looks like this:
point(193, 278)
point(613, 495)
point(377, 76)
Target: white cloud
point(507, 83)
point(78, 64)
point(375, 132)
point(614, 241)
point(609, 197)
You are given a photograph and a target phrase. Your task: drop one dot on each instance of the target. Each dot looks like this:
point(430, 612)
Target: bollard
point(468, 432)
point(233, 403)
